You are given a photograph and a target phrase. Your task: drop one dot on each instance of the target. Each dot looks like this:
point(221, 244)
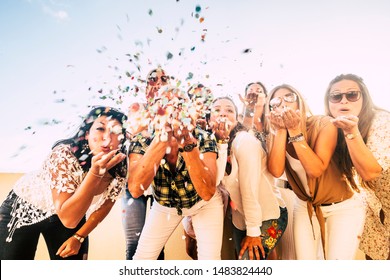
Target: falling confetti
point(169, 56)
point(190, 76)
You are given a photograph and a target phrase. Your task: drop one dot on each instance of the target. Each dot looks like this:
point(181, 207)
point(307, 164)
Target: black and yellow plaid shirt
point(175, 190)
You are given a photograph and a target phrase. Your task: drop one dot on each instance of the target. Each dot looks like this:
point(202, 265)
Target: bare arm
point(277, 154)
point(253, 110)
point(142, 168)
point(202, 169)
point(363, 160)
point(221, 162)
point(72, 206)
point(314, 160)
point(72, 245)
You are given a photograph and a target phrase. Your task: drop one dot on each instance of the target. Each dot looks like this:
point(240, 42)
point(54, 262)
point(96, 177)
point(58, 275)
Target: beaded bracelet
point(260, 135)
point(297, 138)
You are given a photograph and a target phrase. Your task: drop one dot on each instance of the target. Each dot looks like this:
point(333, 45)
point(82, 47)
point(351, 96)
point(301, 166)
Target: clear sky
point(58, 56)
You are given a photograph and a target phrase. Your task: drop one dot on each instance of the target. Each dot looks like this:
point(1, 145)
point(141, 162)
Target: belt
point(329, 204)
point(283, 184)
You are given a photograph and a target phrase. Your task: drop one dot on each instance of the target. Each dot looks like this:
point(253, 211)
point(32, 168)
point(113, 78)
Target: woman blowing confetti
point(82, 176)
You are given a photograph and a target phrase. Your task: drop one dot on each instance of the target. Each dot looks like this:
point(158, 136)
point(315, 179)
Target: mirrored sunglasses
point(277, 101)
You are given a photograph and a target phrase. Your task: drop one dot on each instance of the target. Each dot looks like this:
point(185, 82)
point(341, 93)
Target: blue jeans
point(25, 239)
point(133, 220)
point(271, 232)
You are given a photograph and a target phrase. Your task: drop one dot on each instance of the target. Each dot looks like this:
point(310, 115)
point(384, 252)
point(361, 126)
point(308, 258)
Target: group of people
point(282, 182)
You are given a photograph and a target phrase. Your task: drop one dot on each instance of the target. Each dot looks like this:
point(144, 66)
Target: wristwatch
point(350, 136)
point(188, 147)
point(79, 237)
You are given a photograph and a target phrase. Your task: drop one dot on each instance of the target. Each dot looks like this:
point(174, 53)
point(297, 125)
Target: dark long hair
point(256, 83)
point(239, 126)
point(79, 145)
point(366, 117)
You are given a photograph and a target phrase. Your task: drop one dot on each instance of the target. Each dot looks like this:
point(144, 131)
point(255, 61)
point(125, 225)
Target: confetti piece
point(190, 76)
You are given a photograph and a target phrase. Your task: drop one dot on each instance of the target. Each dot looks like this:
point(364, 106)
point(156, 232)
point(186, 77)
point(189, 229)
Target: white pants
point(207, 219)
point(344, 223)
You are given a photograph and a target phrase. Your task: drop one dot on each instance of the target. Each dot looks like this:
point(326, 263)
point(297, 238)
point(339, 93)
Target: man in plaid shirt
point(179, 161)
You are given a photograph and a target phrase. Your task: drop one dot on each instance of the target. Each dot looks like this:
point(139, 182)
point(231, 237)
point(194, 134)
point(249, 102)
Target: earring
point(85, 147)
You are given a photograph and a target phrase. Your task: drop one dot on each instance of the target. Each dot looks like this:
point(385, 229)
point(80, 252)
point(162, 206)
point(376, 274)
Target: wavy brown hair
point(366, 117)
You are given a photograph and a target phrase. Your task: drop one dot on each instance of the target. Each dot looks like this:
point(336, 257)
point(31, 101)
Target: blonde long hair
point(302, 106)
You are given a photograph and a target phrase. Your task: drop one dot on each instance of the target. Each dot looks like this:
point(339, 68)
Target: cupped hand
point(276, 120)
point(183, 135)
point(250, 100)
point(348, 123)
point(103, 162)
point(221, 128)
point(291, 118)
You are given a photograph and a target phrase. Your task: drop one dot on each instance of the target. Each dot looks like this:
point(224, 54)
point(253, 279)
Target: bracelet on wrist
point(260, 135)
point(249, 112)
point(79, 237)
point(297, 138)
point(188, 147)
point(96, 175)
point(351, 136)
point(223, 141)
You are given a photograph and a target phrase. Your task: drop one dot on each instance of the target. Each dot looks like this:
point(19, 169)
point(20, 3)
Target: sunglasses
point(352, 96)
point(153, 79)
point(289, 97)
